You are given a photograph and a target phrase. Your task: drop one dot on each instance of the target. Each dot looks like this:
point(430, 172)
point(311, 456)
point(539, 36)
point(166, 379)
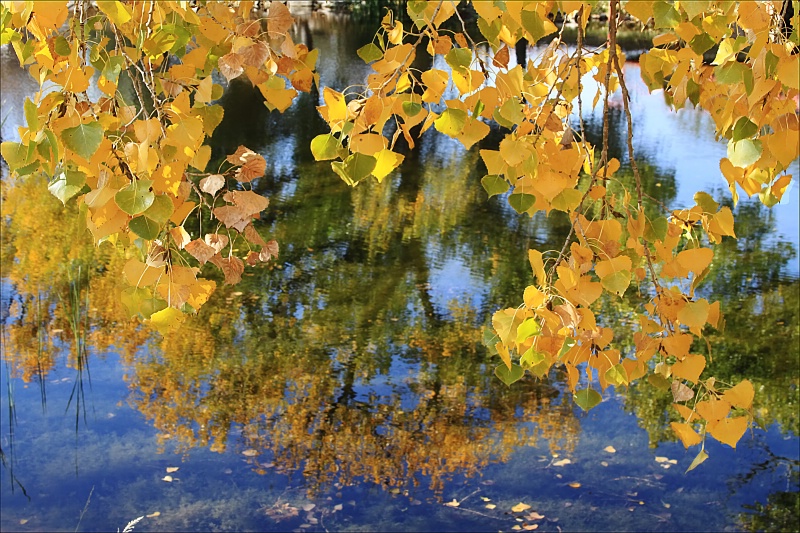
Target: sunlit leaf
point(325, 147)
point(67, 184)
point(740, 395)
point(171, 469)
point(685, 432)
point(729, 430)
point(610, 449)
point(136, 197)
point(520, 507)
point(145, 227)
point(575, 485)
point(369, 53)
point(562, 462)
point(744, 153)
point(494, 184)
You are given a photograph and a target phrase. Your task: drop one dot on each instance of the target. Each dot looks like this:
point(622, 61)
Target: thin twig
point(85, 508)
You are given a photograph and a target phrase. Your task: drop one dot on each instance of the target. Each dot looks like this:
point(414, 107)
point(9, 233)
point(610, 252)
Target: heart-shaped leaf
point(136, 197)
point(145, 227)
point(509, 376)
point(494, 184)
point(587, 398)
point(521, 202)
point(67, 184)
point(83, 139)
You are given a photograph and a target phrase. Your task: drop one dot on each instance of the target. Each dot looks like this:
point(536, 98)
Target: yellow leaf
point(167, 321)
point(535, 259)
point(435, 81)
point(367, 143)
point(610, 449)
point(722, 223)
point(490, 506)
point(520, 507)
point(729, 430)
point(685, 432)
point(171, 469)
point(694, 314)
point(713, 409)
point(168, 479)
point(139, 274)
point(154, 515)
point(741, 395)
point(684, 411)
point(386, 162)
point(611, 266)
point(695, 260)
point(453, 503)
point(690, 368)
point(575, 485)
point(533, 297)
point(473, 131)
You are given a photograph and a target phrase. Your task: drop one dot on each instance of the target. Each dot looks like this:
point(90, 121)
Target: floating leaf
point(168, 479)
point(575, 485)
point(509, 376)
point(83, 139)
point(453, 503)
point(490, 506)
point(250, 452)
point(610, 449)
point(587, 398)
point(309, 506)
point(171, 469)
point(154, 515)
point(562, 462)
point(520, 507)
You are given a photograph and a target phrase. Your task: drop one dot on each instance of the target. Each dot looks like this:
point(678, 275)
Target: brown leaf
point(249, 201)
point(217, 241)
point(279, 19)
point(252, 258)
point(254, 55)
point(200, 251)
point(500, 59)
point(232, 216)
point(230, 66)
point(252, 235)
point(232, 267)
point(249, 28)
point(269, 251)
point(681, 392)
point(211, 184)
point(253, 166)
point(236, 157)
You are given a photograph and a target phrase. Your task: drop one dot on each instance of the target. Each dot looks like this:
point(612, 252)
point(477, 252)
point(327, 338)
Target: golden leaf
point(575, 485)
point(171, 469)
point(520, 507)
point(690, 368)
point(610, 449)
point(685, 432)
point(713, 409)
point(729, 430)
point(168, 479)
point(453, 503)
point(740, 395)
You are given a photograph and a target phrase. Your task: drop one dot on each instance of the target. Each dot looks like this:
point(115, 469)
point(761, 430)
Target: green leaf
point(706, 202)
point(490, 339)
point(325, 147)
point(702, 43)
point(617, 282)
point(509, 376)
point(616, 375)
point(145, 227)
point(744, 128)
point(16, 154)
point(370, 53)
point(531, 358)
point(658, 381)
point(534, 25)
point(136, 197)
point(83, 139)
point(587, 398)
point(161, 209)
point(411, 108)
point(702, 456)
point(490, 30)
point(744, 153)
point(140, 301)
point(521, 202)
point(459, 59)
point(67, 184)
point(511, 111)
point(656, 229)
point(31, 115)
point(62, 46)
point(529, 328)
point(355, 168)
point(451, 122)
point(665, 15)
point(730, 73)
point(494, 184)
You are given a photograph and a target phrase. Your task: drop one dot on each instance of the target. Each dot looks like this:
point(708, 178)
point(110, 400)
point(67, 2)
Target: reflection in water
point(357, 358)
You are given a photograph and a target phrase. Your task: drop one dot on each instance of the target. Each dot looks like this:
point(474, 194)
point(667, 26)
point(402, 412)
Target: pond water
point(345, 387)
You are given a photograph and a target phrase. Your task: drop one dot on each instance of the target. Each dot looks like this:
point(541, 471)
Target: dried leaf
point(279, 20)
point(269, 251)
point(490, 506)
point(200, 251)
point(530, 527)
point(168, 479)
point(253, 166)
point(337, 507)
point(453, 503)
point(211, 184)
point(575, 485)
point(610, 449)
point(153, 515)
point(254, 55)
point(232, 268)
point(309, 506)
point(217, 241)
point(520, 507)
point(179, 237)
point(250, 452)
point(680, 392)
point(171, 469)
point(252, 235)
point(230, 65)
point(562, 462)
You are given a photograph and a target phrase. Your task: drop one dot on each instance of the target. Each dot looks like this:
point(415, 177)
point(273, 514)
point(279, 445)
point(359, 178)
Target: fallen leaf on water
point(487, 482)
point(574, 484)
point(453, 503)
point(666, 505)
point(307, 507)
point(520, 507)
point(250, 453)
point(484, 498)
point(610, 449)
point(168, 479)
point(660, 459)
point(530, 527)
point(631, 509)
point(171, 469)
point(562, 462)
point(23, 521)
point(490, 506)
point(337, 507)
point(533, 515)
point(567, 504)
point(516, 528)
point(153, 515)
point(603, 463)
